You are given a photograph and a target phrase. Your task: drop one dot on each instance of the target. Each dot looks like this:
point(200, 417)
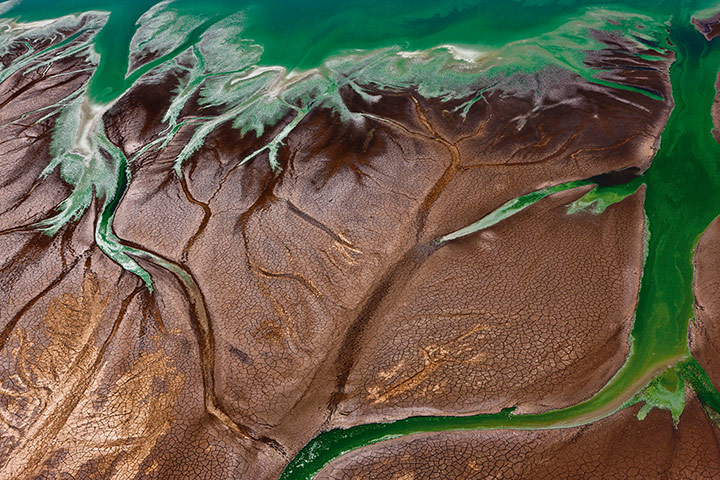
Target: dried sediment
point(316, 277)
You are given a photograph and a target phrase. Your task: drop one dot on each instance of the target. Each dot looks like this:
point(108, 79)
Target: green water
point(301, 34)
point(309, 52)
point(595, 201)
point(683, 196)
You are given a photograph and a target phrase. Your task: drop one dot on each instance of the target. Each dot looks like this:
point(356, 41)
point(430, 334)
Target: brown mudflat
point(709, 27)
point(715, 111)
point(705, 329)
point(296, 300)
point(528, 313)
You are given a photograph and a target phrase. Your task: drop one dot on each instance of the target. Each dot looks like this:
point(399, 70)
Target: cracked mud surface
point(187, 294)
point(704, 329)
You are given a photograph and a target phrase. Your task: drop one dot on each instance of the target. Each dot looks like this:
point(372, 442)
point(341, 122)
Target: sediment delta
point(210, 261)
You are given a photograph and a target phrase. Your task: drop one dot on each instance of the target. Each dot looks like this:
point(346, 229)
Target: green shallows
point(664, 391)
point(599, 198)
point(596, 201)
point(303, 35)
point(509, 209)
point(691, 371)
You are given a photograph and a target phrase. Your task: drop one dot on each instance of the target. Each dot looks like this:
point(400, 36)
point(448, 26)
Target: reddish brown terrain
point(705, 329)
point(315, 296)
point(716, 110)
point(480, 327)
point(709, 27)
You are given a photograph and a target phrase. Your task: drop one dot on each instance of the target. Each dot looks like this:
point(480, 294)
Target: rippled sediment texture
point(242, 240)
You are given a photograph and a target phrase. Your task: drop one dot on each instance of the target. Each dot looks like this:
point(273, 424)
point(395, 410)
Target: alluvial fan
point(382, 240)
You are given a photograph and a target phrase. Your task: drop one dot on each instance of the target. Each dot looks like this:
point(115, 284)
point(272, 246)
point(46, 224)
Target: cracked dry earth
point(290, 301)
point(704, 333)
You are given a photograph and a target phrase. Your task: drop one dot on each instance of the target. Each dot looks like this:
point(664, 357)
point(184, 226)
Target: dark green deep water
point(682, 186)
